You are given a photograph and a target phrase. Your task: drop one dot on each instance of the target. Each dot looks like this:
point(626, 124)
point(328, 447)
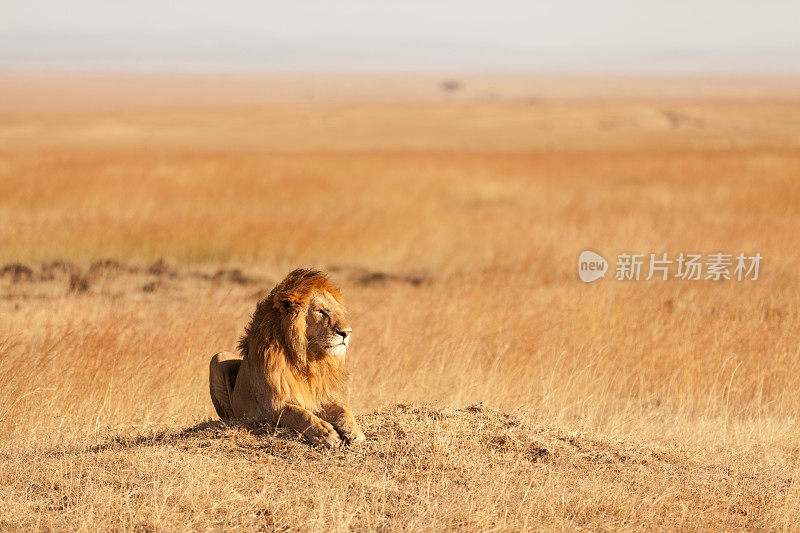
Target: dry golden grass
point(454, 229)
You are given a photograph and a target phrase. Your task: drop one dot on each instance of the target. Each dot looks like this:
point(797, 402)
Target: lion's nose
point(344, 333)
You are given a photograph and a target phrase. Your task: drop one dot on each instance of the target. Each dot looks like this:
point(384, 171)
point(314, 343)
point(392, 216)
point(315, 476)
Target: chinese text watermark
point(662, 266)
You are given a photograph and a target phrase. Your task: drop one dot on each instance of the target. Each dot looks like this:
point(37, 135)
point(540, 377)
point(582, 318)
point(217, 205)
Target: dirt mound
point(438, 435)
point(111, 266)
point(431, 467)
point(403, 428)
point(364, 277)
point(110, 276)
point(113, 276)
point(16, 271)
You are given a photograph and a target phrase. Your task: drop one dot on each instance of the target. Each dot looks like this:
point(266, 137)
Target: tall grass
point(500, 316)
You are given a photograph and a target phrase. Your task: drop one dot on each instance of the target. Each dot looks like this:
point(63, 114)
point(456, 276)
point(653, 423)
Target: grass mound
point(423, 467)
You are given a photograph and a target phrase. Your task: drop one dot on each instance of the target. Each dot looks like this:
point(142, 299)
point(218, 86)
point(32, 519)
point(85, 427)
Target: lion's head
point(312, 314)
point(298, 336)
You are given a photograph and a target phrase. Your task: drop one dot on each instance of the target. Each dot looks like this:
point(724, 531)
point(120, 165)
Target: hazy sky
point(573, 35)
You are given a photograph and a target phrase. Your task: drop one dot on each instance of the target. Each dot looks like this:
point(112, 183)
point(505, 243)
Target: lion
point(291, 363)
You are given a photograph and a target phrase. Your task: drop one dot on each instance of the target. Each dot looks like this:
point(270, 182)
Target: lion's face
point(327, 329)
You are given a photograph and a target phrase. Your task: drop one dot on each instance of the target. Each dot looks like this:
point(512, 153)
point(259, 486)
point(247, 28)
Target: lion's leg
point(222, 372)
point(316, 430)
point(340, 416)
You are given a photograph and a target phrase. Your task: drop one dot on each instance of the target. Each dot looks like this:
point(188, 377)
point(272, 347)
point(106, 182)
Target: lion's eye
point(322, 312)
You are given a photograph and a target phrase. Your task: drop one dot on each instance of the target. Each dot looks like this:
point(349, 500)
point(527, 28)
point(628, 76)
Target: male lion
point(291, 364)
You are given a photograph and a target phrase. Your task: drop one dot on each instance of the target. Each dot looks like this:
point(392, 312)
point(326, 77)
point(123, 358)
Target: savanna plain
point(142, 219)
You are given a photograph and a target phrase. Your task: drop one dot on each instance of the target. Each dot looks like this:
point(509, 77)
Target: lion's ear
point(286, 302)
point(283, 305)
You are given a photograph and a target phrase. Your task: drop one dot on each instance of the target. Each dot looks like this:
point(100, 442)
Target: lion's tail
point(222, 372)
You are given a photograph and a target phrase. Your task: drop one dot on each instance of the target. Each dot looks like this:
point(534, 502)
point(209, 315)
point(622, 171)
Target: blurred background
point(576, 36)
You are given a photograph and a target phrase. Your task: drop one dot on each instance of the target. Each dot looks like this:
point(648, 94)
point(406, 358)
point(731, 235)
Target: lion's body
point(285, 373)
point(222, 374)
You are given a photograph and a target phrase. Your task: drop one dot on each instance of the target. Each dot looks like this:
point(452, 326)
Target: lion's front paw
point(355, 437)
point(323, 434)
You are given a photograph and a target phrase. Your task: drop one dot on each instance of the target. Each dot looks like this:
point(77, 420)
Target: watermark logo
point(632, 266)
point(591, 266)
